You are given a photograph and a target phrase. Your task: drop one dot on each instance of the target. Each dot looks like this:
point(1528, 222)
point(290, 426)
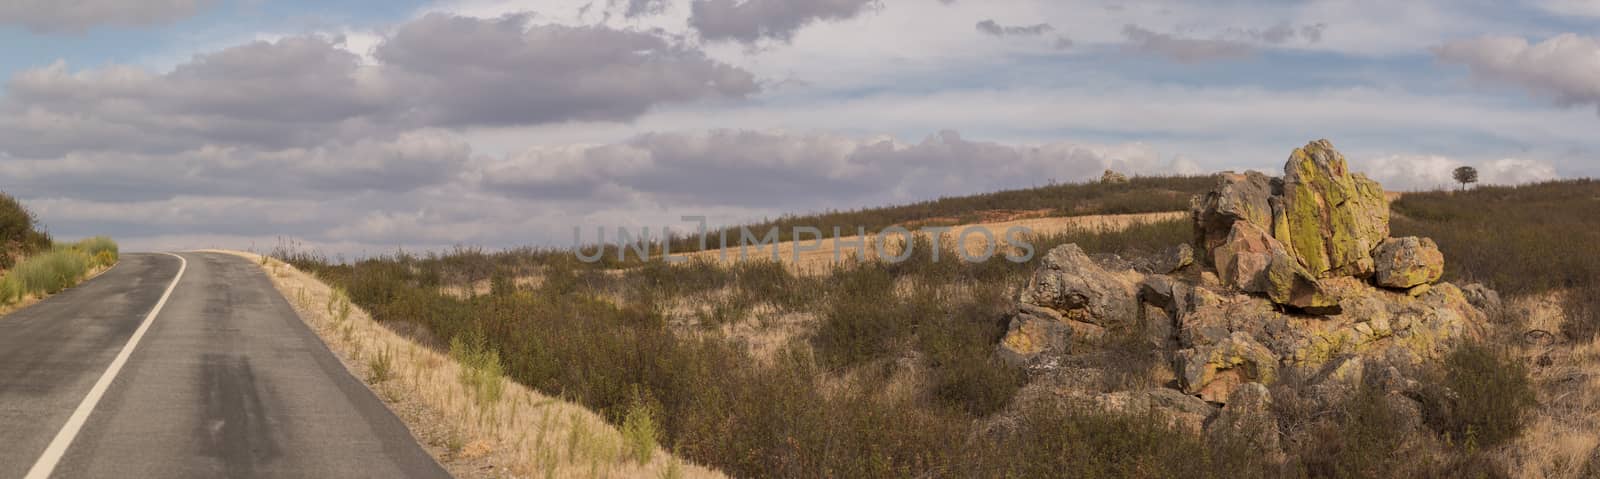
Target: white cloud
point(1409, 172)
point(1565, 68)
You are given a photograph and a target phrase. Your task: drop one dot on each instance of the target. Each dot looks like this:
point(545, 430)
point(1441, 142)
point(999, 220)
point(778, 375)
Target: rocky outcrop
point(1217, 336)
point(1296, 273)
point(1408, 262)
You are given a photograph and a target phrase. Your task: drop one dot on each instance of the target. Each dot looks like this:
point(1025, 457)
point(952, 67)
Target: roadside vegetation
point(32, 265)
point(887, 370)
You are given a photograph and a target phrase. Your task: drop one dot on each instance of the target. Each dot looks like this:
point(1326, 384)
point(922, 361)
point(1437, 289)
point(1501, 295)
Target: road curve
point(226, 382)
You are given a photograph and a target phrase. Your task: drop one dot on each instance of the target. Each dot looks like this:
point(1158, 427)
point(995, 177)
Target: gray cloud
point(749, 21)
point(465, 71)
point(1183, 49)
point(1565, 68)
point(399, 164)
point(789, 171)
point(640, 8)
point(993, 28)
point(1280, 34)
point(303, 92)
point(76, 16)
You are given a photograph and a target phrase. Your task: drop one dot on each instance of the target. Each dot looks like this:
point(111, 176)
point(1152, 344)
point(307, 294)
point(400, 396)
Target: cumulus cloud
point(1424, 172)
point(467, 71)
point(1565, 68)
point(1182, 49)
point(305, 91)
point(76, 16)
point(994, 28)
point(749, 21)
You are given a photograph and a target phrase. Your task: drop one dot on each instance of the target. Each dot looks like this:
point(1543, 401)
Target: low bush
point(46, 273)
point(20, 234)
point(1484, 398)
point(481, 371)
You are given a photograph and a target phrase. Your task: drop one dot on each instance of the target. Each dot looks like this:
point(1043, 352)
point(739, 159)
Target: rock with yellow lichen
point(1408, 262)
point(1334, 218)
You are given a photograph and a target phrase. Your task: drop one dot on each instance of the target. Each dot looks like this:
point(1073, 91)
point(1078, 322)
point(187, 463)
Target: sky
point(362, 127)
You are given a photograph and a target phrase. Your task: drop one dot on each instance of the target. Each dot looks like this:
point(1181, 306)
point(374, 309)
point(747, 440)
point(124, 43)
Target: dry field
point(521, 434)
point(818, 258)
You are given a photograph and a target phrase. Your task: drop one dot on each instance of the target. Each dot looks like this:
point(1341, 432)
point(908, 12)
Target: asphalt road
point(225, 382)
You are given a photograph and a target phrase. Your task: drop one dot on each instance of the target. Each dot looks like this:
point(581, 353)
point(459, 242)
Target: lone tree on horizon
point(1466, 175)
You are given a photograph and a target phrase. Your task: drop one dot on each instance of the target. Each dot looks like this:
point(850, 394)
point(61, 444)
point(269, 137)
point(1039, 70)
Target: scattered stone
point(1407, 262)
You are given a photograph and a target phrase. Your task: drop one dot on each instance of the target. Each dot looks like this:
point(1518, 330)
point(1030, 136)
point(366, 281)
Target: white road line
point(58, 446)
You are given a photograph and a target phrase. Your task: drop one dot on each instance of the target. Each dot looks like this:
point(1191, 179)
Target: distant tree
point(1466, 175)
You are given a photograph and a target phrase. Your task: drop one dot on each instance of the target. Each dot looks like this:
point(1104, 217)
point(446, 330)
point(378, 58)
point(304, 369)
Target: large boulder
point(1237, 197)
point(1070, 299)
point(1408, 262)
point(1334, 219)
point(1071, 283)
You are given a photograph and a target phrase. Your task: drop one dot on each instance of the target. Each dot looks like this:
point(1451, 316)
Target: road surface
point(224, 381)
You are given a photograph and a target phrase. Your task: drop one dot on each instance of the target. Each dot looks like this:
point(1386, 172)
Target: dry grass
point(523, 434)
point(821, 260)
point(31, 298)
point(1563, 438)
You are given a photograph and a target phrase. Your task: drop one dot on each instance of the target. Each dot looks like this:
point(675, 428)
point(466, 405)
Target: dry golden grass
point(820, 261)
point(524, 434)
point(1564, 436)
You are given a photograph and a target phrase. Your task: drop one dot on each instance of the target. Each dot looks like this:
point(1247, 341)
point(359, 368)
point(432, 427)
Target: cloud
point(1281, 33)
point(1425, 172)
point(640, 8)
point(749, 21)
point(780, 170)
point(992, 28)
point(1565, 68)
point(77, 16)
point(1182, 49)
point(306, 91)
point(400, 164)
point(459, 71)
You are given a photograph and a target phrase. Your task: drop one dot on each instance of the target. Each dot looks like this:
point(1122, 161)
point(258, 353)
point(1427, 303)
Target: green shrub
point(20, 234)
point(640, 431)
point(481, 371)
point(95, 245)
point(1484, 398)
point(52, 271)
